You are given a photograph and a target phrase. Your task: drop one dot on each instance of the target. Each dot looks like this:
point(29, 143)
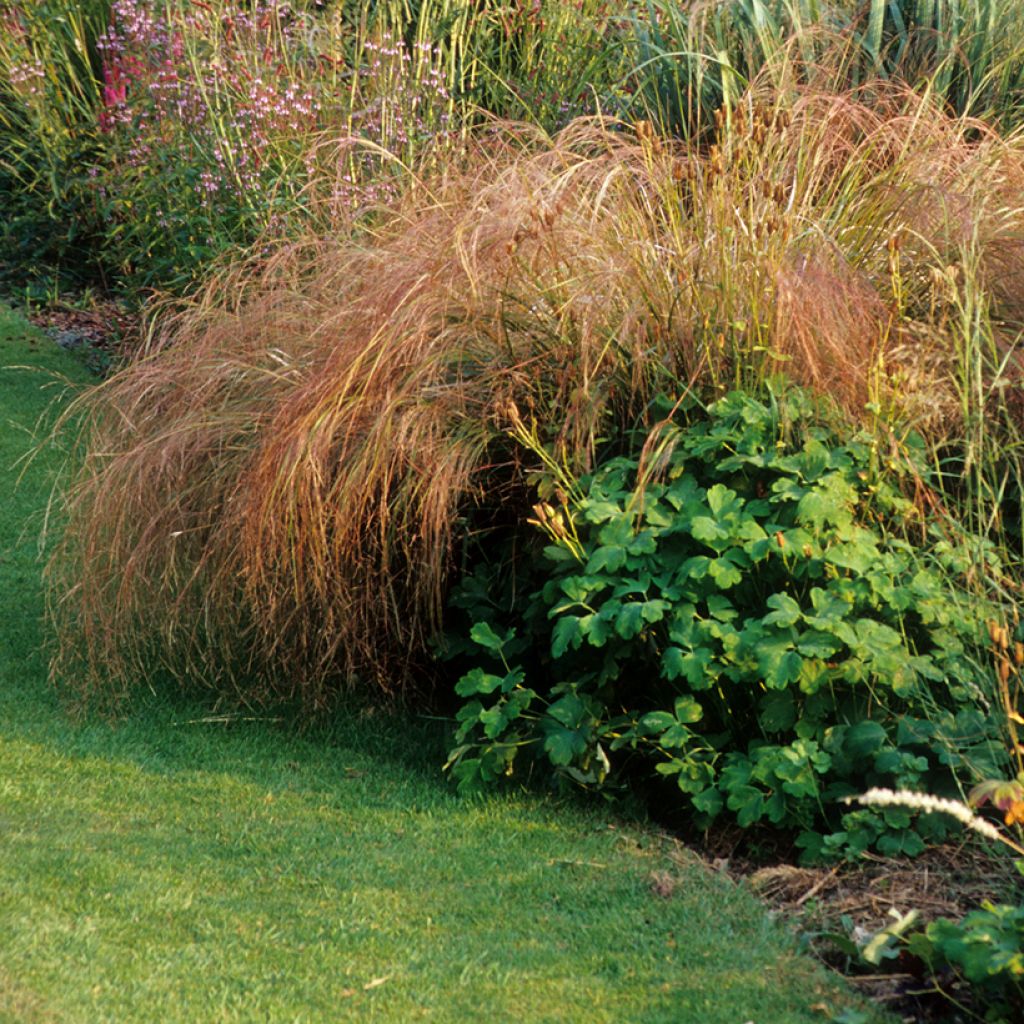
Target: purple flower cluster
point(218, 114)
point(174, 90)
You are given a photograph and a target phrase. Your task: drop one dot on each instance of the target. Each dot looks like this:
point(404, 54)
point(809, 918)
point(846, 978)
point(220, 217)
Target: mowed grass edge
point(178, 865)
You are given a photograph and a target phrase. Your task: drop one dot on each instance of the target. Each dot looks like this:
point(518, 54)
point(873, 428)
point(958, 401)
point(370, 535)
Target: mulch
point(104, 330)
point(859, 899)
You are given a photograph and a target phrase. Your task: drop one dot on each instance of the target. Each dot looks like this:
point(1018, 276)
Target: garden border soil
point(858, 899)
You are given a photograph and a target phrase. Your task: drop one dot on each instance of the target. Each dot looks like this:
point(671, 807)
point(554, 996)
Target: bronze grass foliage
point(268, 499)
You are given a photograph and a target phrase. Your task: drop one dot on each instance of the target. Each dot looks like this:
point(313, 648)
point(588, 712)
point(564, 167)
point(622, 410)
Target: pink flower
point(115, 96)
point(115, 85)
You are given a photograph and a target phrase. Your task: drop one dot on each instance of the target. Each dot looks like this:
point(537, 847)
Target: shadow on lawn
point(170, 735)
point(161, 732)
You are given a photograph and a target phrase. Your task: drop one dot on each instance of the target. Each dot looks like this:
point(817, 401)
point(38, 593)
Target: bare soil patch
point(860, 899)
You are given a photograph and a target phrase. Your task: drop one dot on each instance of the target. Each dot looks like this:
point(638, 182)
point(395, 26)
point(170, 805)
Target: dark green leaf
point(484, 635)
point(595, 629)
point(610, 558)
point(815, 644)
point(656, 721)
point(778, 711)
point(565, 634)
point(709, 801)
point(477, 681)
point(568, 710)
point(564, 745)
point(786, 610)
point(863, 740)
point(630, 620)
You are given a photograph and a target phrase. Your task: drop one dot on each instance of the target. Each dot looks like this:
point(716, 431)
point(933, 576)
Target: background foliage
point(141, 139)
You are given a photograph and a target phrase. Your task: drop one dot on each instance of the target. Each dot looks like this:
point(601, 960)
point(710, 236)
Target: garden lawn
point(183, 866)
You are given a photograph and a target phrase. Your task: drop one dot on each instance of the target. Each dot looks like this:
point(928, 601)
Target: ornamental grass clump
point(271, 500)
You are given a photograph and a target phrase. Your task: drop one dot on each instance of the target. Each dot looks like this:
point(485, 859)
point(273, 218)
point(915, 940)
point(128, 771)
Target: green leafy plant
point(739, 607)
point(987, 948)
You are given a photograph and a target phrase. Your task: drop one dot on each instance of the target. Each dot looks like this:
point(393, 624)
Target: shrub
point(750, 607)
point(271, 498)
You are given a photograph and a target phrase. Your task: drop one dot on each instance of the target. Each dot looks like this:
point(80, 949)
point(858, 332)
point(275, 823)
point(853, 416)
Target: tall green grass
point(49, 94)
point(694, 59)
